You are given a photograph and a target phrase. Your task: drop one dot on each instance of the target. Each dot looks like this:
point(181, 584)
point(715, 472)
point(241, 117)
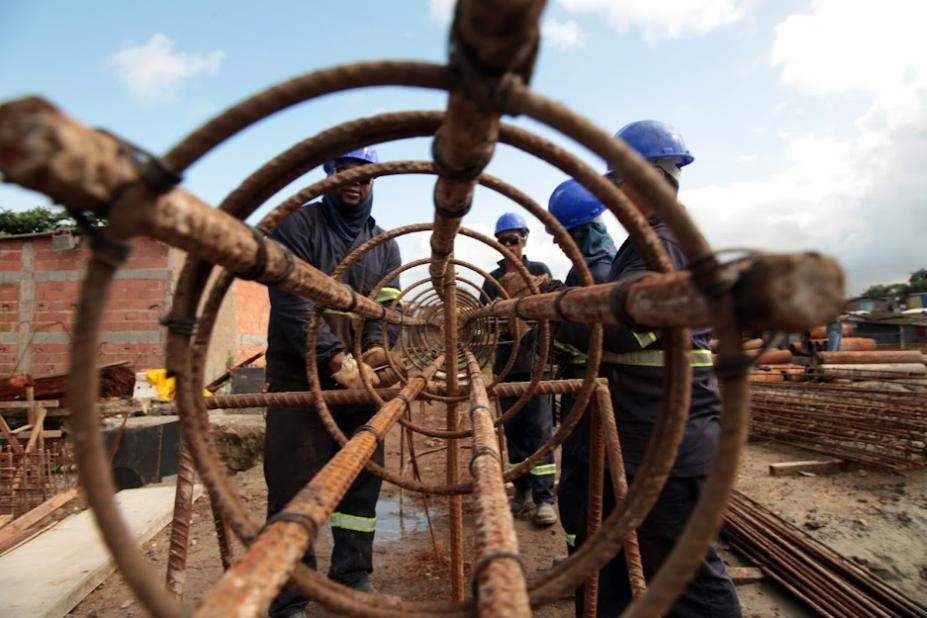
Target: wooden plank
point(19, 430)
point(37, 434)
point(18, 529)
point(813, 466)
point(5, 519)
point(49, 434)
point(53, 572)
point(10, 437)
point(745, 575)
point(23, 405)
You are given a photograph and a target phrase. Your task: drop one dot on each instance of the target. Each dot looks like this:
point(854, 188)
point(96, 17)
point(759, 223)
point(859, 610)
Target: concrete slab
point(50, 574)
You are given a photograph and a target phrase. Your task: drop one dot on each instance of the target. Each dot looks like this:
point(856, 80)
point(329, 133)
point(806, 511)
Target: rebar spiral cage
point(447, 331)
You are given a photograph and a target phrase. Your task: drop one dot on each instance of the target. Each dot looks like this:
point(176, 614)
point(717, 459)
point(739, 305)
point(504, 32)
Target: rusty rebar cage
point(446, 329)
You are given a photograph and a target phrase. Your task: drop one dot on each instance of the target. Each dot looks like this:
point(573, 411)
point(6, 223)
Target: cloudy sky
point(807, 118)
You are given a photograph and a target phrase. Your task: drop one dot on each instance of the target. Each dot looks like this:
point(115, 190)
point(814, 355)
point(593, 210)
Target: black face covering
point(346, 220)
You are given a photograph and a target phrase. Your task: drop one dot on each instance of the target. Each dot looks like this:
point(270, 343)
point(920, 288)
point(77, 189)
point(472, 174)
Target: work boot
point(522, 502)
point(545, 515)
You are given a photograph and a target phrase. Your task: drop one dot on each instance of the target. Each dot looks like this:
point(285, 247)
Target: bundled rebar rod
point(821, 578)
point(884, 429)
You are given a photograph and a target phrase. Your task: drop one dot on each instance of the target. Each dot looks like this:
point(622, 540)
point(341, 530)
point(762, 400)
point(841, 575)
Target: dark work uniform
point(532, 426)
point(633, 364)
point(574, 455)
point(296, 444)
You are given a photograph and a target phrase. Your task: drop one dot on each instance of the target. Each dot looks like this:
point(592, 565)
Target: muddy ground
point(877, 519)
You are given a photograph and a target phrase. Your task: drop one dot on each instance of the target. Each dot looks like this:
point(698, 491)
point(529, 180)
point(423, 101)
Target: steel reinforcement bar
point(497, 575)
point(249, 586)
point(52, 140)
point(491, 43)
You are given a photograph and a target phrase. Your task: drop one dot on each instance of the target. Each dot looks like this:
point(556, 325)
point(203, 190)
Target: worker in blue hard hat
point(580, 213)
point(632, 361)
point(532, 426)
point(296, 444)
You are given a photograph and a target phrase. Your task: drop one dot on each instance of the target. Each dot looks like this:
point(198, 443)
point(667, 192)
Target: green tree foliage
point(917, 282)
point(36, 220)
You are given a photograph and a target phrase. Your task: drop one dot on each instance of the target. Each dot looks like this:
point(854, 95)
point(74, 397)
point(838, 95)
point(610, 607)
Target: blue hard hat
point(510, 221)
point(572, 205)
point(367, 154)
point(655, 140)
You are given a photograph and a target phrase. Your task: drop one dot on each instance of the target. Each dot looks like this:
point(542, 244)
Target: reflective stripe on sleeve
point(353, 522)
point(654, 358)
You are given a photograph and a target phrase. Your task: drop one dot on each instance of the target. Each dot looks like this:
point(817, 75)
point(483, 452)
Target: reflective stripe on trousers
point(654, 358)
point(542, 470)
point(353, 522)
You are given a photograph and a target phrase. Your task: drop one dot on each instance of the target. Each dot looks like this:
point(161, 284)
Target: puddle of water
point(392, 527)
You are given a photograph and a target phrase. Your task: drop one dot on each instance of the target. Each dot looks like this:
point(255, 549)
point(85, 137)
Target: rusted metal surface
point(492, 43)
point(886, 429)
point(177, 218)
point(819, 577)
point(349, 396)
point(29, 477)
point(854, 358)
point(594, 505)
point(249, 586)
point(500, 581)
point(619, 479)
point(455, 503)
point(492, 55)
point(673, 299)
point(180, 524)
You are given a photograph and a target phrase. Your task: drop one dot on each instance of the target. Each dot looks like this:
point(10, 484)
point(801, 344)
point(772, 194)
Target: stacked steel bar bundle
point(877, 427)
point(820, 577)
point(493, 48)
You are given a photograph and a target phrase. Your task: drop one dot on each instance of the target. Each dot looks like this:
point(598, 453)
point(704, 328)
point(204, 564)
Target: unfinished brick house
point(40, 277)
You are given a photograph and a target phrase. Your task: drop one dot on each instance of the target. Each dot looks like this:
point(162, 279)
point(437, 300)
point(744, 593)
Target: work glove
point(517, 287)
point(379, 359)
point(349, 374)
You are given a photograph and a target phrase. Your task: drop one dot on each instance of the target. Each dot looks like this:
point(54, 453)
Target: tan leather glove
point(349, 374)
point(517, 287)
point(379, 359)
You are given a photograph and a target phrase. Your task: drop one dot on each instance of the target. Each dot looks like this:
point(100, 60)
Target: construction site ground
point(877, 519)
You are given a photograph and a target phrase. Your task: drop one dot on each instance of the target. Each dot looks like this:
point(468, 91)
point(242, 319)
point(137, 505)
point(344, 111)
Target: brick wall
point(252, 309)
point(39, 288)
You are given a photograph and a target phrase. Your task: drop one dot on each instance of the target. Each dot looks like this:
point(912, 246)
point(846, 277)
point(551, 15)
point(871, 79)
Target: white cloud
point(663, 20)
point(441, 11)
point(154, 71)
point(846, 45)
point(858, 198)
point(563, 35)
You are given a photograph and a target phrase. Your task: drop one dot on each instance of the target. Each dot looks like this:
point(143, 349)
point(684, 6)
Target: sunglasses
point(509, 240)
point(341, 167)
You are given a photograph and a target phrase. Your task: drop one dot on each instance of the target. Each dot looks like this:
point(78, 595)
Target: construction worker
point(578, 211)
point(532, 426)
point(296, 444)
point(633, 363)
